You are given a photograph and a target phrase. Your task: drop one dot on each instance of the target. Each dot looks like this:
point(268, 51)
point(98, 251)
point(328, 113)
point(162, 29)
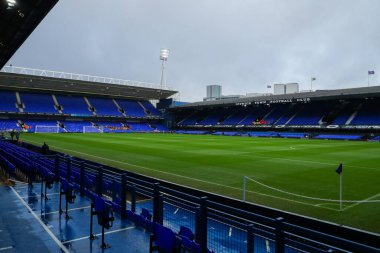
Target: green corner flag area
point(294, 175)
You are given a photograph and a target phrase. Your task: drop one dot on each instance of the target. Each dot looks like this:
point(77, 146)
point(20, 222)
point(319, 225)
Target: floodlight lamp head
point(11, 3)
point(164, 54)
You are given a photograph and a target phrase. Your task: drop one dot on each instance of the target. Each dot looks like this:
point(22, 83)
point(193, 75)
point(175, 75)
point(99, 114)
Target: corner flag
point(339, 169)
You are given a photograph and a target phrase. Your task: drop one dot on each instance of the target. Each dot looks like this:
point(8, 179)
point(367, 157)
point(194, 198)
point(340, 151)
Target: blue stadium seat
point(8, 101)
point(150, 108)
point(163, 240)
point(131, 108)
point(104, 106)
point(73, 105)
point(38, 103)
point(369, 114)
point(8, 124)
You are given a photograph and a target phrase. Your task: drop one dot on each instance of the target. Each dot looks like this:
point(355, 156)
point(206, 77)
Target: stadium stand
point(288, 115)
point(37, 103)
point(256, 113)
point(104, 106)
point(275, 113)
point(150, 109)
point(311, 114)
point(320, 108)
point(9, 124)
point(73, 105)
point(8, 101)
point(235, 117)
point(344, 113)
point(368, 114)
point(159, 127)
point(131, 108)
point(74, 126)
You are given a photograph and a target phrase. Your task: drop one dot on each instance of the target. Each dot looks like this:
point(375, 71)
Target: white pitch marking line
point(322, 205)
point(58, 242)
point(200, 180)
point(106, 233)
point(16, 181)
point(73, 209)
point(37, 196)
point(361, 202)
point(20, 186)
point(5, 248)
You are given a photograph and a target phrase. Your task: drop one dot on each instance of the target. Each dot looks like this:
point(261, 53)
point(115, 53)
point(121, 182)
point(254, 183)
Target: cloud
point(242, 44)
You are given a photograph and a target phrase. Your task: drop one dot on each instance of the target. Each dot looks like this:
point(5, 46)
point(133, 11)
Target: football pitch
point(289, 174)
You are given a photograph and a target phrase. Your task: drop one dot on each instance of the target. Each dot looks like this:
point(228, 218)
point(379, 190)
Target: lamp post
point(163, 57)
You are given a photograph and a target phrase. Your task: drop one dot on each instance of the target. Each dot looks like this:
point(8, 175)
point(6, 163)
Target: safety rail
point(220, 223)
point(79, 77)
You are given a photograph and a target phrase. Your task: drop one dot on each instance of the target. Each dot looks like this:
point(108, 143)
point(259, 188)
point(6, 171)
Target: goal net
point(93, 129)
point(46, 129)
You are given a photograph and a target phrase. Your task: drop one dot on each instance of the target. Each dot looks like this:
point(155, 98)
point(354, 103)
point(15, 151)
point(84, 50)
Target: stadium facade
point(338, 114)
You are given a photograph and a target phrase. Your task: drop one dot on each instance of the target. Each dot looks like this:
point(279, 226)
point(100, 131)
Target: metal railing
point(80, 77)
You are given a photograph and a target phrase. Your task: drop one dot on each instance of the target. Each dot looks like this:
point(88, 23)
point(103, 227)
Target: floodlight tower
point(163, 57)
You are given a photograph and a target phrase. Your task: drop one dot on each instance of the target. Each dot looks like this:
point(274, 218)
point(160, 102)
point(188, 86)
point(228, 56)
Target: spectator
point(45, 149)
point(17, 135)
point(12, 134)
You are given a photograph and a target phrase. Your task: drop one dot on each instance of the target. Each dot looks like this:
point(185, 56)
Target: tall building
point(288, 88)
point(214, 92)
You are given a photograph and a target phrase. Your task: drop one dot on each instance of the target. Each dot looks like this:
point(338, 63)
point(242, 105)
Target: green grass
point(218, 164)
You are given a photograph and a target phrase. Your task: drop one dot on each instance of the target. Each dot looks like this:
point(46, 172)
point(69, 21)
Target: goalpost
point(46, 129)
point(93, 129)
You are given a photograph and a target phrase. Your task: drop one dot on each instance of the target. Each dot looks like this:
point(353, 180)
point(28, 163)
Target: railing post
point(156, 203)
point(56, 169)
point(280, 247)
point(68, 168)
point(161, 209)
point(123, 196)
point(82, 175)
point(99, 184)
point(250, 238)
point(201, 225)
point(133, 198)
point(113, 187)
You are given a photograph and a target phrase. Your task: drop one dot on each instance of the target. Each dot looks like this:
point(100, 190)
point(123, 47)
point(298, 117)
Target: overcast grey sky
point(243, 45)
